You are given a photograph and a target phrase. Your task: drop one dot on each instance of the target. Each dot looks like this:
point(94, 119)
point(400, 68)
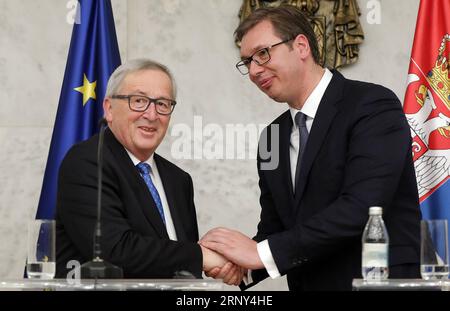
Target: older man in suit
point(343, 146)
point(148, 214)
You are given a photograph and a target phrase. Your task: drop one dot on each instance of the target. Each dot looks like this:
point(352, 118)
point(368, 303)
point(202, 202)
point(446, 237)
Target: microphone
point(97, 268)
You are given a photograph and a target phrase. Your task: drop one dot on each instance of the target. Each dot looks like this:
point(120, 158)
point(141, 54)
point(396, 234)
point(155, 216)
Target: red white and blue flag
point(427, 107)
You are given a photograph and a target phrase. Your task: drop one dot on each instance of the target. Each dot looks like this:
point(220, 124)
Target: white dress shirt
point(309, 109)
point(154, 174)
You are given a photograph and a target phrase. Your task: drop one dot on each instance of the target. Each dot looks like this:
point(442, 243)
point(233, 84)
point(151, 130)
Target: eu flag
point(93, 56)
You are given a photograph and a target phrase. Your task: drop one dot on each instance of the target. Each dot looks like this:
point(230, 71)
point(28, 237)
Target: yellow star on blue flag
point(93, 56)
point(87, 89)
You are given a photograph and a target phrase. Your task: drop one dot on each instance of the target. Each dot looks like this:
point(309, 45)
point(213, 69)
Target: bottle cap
point(375, 210)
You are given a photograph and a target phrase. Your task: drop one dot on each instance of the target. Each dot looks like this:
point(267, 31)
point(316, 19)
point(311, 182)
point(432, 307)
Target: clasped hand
point(227, 254)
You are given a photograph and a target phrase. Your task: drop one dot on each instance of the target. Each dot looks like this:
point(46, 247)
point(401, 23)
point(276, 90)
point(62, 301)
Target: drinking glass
point(41, 249)
point(434, 249)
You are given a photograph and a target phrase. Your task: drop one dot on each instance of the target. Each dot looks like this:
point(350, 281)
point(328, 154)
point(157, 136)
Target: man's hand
point(231, 274)
point(235, 246)
point(211, 259)
point(218, 267)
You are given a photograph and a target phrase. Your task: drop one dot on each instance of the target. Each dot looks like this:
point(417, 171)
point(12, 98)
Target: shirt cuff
point(265, 254)
point(248, 277)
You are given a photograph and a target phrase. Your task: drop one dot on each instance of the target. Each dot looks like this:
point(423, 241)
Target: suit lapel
point(321, 125)
point(280, 143)
point(137, 184)
point(171, 194)
point(280, 177)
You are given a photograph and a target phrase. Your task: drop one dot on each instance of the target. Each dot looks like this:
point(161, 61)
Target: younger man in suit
point(342, 146)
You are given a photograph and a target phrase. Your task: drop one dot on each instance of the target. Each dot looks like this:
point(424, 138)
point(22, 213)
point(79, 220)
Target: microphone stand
point(97, 268)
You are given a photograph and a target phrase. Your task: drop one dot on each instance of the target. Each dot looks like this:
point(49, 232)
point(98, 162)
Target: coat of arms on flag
point(427, 108)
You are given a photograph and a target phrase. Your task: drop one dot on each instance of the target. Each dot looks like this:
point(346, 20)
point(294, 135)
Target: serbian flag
point(427, 107)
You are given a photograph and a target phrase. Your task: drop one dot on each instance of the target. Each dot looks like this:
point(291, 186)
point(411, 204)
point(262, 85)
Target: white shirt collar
point(170, 227)
point(136, 161)
point(312, 102)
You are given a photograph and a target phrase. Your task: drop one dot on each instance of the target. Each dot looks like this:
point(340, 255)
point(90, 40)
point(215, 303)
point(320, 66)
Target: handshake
point(228, 254)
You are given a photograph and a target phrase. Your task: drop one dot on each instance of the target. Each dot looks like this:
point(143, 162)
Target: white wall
point(194, 38)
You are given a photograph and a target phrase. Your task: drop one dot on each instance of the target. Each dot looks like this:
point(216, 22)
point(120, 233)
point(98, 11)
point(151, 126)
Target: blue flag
point(93, 56)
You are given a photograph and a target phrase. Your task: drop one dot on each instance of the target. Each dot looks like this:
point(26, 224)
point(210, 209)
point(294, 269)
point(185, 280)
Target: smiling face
point(280, 78)
point(139, 132)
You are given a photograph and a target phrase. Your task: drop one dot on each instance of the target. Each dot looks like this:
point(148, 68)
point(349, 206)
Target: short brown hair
point(288, 22)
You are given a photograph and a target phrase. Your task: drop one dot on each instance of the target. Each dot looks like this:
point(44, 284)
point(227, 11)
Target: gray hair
point(117, 77)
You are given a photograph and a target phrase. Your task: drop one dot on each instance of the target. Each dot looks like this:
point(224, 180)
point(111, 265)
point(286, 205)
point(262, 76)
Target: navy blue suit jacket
point(358, 155)
point(134, 236)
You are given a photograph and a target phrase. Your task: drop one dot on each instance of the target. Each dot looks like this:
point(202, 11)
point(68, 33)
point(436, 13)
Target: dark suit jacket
point(134, 236)
point(358, 155)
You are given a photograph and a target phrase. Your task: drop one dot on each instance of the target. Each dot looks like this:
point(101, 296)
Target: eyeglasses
point(141, 103)
point(260, 57)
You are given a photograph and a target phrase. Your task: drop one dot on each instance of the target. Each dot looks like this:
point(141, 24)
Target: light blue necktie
point(145, 169)
point(300, 120)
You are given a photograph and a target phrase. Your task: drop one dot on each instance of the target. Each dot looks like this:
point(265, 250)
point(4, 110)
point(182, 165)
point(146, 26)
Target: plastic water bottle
point(375, 245)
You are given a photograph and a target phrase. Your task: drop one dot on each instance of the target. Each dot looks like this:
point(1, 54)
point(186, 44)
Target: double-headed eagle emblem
point(428, 114)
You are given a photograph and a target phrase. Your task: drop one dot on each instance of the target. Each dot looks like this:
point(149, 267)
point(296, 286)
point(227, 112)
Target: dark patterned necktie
point(300, 120)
